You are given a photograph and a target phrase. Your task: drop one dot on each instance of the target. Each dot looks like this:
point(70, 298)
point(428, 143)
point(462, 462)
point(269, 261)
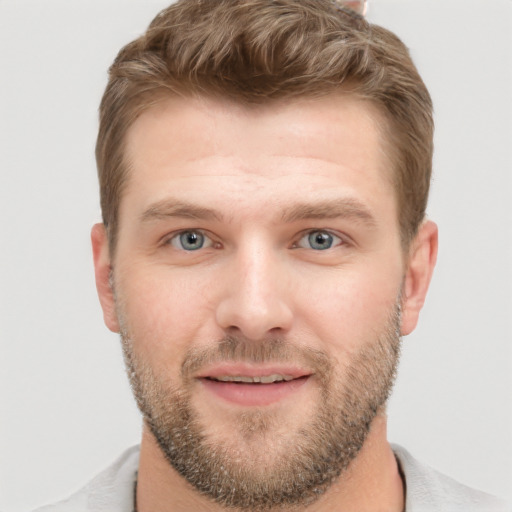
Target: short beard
point(307, 461)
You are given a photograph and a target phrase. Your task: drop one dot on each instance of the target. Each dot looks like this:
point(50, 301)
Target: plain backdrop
point(65, 406)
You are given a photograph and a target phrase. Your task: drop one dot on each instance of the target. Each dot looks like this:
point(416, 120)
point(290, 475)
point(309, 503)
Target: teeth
point(264, 379)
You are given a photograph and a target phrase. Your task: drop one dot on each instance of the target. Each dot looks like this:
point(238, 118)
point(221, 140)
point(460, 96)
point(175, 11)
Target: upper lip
point(253, 370)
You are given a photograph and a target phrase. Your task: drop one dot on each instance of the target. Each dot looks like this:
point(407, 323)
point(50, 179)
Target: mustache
point(238, 349)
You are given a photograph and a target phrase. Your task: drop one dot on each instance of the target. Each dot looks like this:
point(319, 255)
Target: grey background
point(65, 406)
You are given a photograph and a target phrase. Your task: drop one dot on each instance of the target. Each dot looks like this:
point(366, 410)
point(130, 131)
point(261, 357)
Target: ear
point(421, 263)
point(102, 271)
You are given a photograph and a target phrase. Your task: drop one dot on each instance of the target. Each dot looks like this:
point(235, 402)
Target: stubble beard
point(236, 472)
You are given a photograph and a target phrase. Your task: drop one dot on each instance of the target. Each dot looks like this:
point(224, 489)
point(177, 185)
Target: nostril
point(253, 319)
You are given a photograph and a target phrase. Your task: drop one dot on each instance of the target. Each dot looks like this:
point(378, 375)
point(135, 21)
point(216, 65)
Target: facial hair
point(236, 473)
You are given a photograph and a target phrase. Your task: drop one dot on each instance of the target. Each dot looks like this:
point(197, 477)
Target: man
point(264, 170)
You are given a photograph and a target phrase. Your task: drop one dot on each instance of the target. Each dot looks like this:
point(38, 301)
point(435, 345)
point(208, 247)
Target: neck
point(371, 483)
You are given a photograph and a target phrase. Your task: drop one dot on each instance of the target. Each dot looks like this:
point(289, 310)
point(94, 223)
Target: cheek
point(165, 311)
point(349, 309)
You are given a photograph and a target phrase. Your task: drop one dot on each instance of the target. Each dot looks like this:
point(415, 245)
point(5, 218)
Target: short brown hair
point(256, 51)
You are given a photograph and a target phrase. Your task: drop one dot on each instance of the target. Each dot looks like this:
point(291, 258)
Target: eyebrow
point(170, 208)
point(347, 208)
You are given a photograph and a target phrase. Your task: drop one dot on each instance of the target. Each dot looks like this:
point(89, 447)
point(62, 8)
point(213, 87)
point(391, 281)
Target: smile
point(263, 379)
point(253, 387)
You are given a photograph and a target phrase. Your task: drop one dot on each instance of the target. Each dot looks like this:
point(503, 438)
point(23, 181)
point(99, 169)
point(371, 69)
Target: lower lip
point(253, 394)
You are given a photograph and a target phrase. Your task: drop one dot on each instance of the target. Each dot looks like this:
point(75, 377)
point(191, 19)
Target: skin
point(271, 175)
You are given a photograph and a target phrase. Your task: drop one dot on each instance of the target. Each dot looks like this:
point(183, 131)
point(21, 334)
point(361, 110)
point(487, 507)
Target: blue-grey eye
point(189, 240)
point(319, 240)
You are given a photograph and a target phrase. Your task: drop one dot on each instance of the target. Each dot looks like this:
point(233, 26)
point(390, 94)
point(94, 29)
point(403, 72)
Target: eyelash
point(322, 235)
point(176, 238)
point(310, 232)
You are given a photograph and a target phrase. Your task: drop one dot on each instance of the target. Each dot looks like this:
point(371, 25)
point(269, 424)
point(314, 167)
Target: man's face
point(259, 245)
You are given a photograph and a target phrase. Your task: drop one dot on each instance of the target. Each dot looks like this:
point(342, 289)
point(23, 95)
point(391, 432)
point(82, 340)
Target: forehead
point(217, 149)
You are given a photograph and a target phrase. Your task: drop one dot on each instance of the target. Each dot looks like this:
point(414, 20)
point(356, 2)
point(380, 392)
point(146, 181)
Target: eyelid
point(343, 240)
point(168, 239)
point(209, 241)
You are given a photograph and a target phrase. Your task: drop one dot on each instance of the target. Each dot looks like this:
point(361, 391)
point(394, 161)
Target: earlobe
point(422, 260)
point(102, 271)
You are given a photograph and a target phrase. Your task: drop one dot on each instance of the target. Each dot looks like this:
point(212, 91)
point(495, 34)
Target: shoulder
point(428, 490)
point(110, 491)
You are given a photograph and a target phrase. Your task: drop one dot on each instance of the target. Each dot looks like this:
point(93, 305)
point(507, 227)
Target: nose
point(256, 298)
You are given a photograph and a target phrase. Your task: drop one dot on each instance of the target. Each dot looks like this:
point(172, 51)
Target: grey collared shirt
point(427, 490)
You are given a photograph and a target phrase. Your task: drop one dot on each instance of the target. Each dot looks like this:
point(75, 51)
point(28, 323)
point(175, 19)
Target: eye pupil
point(320, 240)
point(191, 240)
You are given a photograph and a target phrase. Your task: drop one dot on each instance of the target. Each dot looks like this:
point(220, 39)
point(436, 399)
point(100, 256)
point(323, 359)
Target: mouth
point(253, 386)
point(244, 379)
